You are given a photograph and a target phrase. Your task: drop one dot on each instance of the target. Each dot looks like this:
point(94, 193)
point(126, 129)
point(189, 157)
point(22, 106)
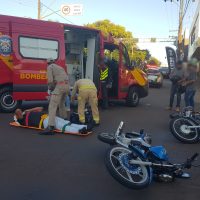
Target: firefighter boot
point(48, 131)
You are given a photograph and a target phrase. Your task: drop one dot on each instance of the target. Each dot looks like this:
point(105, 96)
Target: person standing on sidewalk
point(190, 82)
point(176, 77)
point(58, 87)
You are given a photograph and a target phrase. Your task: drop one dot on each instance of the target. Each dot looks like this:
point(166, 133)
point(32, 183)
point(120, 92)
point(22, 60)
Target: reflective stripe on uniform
point(104, 74)
point(82, 119)
point(62, 83)
point(43, 117)
point(96, 119)
point(85, 87)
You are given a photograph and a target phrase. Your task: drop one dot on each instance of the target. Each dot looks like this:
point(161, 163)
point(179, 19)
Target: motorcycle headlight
point(188, 111)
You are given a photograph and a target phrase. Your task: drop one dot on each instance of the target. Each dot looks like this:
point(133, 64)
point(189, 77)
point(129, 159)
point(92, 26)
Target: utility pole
point(180, 29)
point(39, 9)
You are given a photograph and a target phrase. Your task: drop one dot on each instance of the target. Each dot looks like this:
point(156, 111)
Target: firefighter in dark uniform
point(106, 82)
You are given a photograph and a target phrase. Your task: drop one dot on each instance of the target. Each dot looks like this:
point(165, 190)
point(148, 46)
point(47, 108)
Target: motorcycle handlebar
point(119, 130)
point(194, 157)
point(189, 161)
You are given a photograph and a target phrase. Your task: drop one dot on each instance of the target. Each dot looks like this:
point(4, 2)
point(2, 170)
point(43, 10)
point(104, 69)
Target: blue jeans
point(189, 98)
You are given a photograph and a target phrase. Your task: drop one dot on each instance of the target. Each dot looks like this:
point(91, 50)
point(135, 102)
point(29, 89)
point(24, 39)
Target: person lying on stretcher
point(35, 117)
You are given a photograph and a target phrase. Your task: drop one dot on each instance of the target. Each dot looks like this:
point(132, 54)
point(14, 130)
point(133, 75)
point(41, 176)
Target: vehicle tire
point(160, 85)
point(125, 173)
point(7, 104)
point(133, 97)
point(107, 138)
point(178, 127)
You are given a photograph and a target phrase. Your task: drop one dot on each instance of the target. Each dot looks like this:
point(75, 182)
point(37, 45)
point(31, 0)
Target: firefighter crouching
point(87, 93)
point(58, 87)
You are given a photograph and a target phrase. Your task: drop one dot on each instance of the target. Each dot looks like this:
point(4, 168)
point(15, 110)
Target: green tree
point(138, 55)
point(108, 27)
point(120, 33)
point(117, 31)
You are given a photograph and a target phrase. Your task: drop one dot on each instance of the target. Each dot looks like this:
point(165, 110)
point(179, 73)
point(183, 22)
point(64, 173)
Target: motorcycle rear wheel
point(178, 127)
point(129, 175)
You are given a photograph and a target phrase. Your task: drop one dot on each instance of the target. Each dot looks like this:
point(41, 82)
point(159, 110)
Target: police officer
point(87, 92)
point(105, 82)
point(58, 87)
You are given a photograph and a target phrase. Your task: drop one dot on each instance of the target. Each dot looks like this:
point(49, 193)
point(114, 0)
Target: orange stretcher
point(56, 131)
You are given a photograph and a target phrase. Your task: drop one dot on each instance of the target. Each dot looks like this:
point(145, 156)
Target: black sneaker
point(48, 131)
point(90, 126)
point(96, 124)
point(83, 131)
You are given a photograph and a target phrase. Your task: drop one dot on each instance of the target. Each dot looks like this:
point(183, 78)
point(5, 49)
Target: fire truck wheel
point(133, 97)
point(7, 103)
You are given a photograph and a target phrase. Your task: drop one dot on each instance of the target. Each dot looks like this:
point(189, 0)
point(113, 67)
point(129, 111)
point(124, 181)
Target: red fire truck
point(25, 44)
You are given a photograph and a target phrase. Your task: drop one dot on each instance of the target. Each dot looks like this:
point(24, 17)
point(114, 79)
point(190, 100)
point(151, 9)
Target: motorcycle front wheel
point(107, 138)
point(130, 175)
point(180, 129)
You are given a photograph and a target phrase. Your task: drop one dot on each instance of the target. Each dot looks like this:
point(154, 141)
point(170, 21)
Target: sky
point(144, 18)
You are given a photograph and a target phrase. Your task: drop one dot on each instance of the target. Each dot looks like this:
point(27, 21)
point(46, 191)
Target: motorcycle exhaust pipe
point(191, 127)
point(140, 162)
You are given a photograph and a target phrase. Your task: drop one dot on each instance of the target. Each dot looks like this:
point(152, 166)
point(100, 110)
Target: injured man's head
point(19, 113)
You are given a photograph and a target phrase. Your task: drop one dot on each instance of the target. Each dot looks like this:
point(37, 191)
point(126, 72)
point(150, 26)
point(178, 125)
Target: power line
point(55, 12)
point(186, 7)
point(52, 2)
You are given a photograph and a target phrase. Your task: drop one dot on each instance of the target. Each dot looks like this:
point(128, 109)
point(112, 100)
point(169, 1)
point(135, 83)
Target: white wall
point(90, 58)
point(196, 25)
point(157, 50)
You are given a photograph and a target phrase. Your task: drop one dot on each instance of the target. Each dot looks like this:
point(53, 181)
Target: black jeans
point(104, 91)
point(174, 91)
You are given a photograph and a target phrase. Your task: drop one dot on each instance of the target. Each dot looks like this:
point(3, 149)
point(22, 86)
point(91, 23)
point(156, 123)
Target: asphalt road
point(60, 167)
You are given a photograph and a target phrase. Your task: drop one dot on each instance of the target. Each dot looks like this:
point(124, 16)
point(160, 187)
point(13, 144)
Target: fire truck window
point(125, 56)
point(38, 48)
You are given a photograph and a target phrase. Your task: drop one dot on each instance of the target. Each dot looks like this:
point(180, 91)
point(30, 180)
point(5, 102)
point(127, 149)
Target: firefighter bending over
point(59, 88)
point(87, 92)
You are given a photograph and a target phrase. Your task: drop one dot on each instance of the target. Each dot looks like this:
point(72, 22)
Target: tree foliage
point(140, 55)
point(119, 32)
point(107, 27)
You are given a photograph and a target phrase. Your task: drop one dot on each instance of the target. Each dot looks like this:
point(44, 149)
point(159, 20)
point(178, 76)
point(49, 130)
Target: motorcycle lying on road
point(133, 162)
point(185, 126)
